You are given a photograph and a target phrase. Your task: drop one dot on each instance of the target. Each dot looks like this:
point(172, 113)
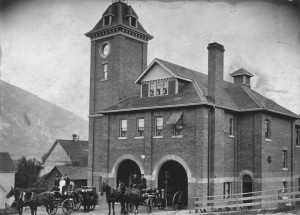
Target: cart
point(65, 202)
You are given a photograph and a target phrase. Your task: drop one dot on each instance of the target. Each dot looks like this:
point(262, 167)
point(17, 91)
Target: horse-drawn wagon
point(65, 202)
point(79, 200)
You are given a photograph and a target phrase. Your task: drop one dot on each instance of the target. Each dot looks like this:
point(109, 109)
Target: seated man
point(135, 181)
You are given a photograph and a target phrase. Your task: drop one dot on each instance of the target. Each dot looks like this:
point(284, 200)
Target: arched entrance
point(126, 170)
point(176, 177)
point(247, 187)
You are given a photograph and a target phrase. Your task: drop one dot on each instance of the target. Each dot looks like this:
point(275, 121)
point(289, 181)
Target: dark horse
point(130, 196)
point(31, 199)
point(112, 196)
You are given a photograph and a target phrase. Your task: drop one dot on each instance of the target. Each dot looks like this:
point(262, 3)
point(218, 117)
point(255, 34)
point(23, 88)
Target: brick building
point(205, 135)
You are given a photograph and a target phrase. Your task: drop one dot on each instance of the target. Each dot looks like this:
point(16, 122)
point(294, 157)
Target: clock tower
point(118, 56)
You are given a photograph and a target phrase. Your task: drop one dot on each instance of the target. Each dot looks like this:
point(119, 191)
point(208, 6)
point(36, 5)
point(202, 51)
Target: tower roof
point(240, 72)
point(118, 16)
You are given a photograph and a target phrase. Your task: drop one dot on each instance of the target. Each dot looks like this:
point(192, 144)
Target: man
point(62, 185)
point(56, 182)
point(67, 179)
point(135, 181)
point(143, 183)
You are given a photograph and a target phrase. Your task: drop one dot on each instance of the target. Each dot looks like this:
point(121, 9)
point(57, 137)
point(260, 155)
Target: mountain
point(29, 125)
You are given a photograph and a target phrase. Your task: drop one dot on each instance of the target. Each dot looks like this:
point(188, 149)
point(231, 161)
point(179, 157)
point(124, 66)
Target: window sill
point(103, 79)
point(231, 136)
point(138, 137)
point(268, 140)
point(158, 137)
point(122, 138)
point(298, 147)
point(285, 169)
point(179, 136)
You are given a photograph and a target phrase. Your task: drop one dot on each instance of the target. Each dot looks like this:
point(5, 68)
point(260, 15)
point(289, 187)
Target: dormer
point(132, 17)
point(159, 80)
point(242, 77)
point(107, 16)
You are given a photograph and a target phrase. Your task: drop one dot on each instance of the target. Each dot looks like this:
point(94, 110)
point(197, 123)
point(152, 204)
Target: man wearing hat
point(143, 182)
point(135, 181)
point(56, 182)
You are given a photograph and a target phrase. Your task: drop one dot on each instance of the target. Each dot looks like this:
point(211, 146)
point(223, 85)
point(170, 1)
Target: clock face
point(105, 50)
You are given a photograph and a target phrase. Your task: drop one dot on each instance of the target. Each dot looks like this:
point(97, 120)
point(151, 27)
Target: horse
point(31, 199)
point(111, 196)
point(131, 196)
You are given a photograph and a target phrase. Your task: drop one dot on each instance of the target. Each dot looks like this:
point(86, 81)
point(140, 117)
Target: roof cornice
point(193, 104)
point(119, 29)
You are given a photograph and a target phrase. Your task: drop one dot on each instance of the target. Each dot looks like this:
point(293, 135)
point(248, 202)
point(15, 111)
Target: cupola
point(241, 77)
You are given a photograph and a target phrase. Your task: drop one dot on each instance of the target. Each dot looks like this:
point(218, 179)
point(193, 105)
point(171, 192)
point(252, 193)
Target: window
point(123, 127)
point(284, 186)
point(165, 88)
point(178, 127)
point(140, 127)
point(152, 86)
point(106, 20)
point(159, 122)
point(158, 88)
point(133, 21)
point(297, 138)
point(104, 70)
point(267, 129)
point(231, 126)
point(284, 159)
point(227, 190)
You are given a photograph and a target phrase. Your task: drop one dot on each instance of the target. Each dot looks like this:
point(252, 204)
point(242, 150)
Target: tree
point(28, 171)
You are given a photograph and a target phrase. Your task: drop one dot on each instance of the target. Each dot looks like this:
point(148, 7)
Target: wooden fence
point(268, 199)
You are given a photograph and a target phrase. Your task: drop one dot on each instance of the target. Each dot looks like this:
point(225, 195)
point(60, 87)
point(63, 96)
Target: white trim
point(179, 136)
point(119, 32)
point(161, 64)
point(166, 158)
point(268, 140)
point(231, 136)
point(139, 137)
point(158, 137)
point(122, 138)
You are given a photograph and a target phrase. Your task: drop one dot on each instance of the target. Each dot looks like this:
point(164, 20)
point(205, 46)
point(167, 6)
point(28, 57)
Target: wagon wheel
point(177, 200)
point(130, 207)
point(94, 202)
point(76, 204)
point(67, 206)
point(53, 211)
point(149, 205)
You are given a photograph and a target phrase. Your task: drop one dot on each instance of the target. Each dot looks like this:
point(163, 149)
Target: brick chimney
point(215, 69)
point(75, 137)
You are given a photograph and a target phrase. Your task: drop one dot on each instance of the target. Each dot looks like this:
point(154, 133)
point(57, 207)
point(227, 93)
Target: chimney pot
point(75, 137)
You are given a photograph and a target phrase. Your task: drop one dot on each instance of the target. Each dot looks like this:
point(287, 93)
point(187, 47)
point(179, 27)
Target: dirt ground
point(102, 209)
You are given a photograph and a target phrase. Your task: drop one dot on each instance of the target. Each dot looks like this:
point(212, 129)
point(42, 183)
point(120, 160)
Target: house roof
point(232, 96)
point(74, 172)
point(6, 163)
point(120, 13)
point(77, 150)
point(240, 72)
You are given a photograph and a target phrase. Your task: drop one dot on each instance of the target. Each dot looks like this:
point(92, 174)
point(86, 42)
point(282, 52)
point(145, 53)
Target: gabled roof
point(77, 150)
point(120, 13)
point(240, 72)
point(6, 163)
point(74, 172)
point(233, 97)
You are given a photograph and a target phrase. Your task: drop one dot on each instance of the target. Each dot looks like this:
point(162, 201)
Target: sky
point(44, 51)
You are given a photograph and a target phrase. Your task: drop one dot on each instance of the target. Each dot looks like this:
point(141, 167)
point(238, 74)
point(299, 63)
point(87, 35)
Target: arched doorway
point(176, 177)
point(126, 170)
point(247, 187)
